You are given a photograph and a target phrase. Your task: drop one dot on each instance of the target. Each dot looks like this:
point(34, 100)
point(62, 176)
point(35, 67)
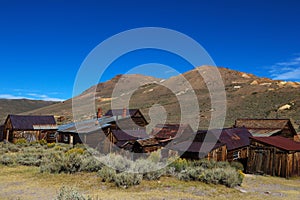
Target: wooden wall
point(265, 159)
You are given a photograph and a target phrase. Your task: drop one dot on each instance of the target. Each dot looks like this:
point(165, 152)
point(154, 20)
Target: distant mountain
point(248, 96)
point(16, 106)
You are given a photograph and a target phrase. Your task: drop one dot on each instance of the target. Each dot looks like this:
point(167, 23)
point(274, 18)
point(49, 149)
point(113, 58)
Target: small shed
point(276, 156)
point(268, 127)
point(147, 145)
point(30, 127)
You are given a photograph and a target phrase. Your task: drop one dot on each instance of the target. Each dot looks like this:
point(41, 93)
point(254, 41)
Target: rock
point(285, 107)
point(255, 82)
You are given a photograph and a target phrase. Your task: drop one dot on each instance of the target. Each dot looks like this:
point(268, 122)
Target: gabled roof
point(266, 127)
point(166, 131)
point(279, 142)
point(118, 112)
point(235, 138)
point(32, 122)
point(129, 135)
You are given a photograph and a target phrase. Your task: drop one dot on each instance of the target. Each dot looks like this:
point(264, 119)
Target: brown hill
point(248, 96)
point(15, 106)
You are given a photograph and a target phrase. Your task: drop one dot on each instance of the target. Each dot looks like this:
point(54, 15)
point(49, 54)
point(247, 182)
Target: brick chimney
point(99, 113)
point(124, 112)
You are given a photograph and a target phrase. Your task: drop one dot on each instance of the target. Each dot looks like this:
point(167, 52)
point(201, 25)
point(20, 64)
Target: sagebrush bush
point(29, 159)
point(190, 174)
point(149, 169)
point(66, 193)
point(90, 164)
point(107, 174)
point(179, 164)
point(8, 159)
point(126, 180)
point(21, 141)
point(52, 162)
point(237, 165)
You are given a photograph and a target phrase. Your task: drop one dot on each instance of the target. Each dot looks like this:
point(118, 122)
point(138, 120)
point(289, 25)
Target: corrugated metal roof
point(279, 142)
point(126, 135)
point(26, 122)
point(86, 126)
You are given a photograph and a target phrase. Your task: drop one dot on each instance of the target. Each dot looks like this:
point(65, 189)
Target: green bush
point(90, 164)
point(237, 165)
point(29, 159)
point(66, 193)
point(21, 141)
point(50, 145)
point(149, 169)
point(43, 142)
point(52, 162)
point(190, 174)
point(179, 164)
point(127, 179)
point(8, 159)
point(107, 174)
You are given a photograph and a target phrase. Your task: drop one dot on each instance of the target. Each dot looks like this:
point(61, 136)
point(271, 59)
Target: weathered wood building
point(237, 142)
point(146, 145)
point(276, 156)
point(29, 127)
point(267, 127)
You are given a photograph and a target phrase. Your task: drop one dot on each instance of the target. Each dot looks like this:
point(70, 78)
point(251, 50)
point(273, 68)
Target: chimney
point(99, 113)
point(124, 112)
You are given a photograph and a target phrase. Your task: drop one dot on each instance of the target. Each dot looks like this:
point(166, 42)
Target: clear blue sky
point(43, 43)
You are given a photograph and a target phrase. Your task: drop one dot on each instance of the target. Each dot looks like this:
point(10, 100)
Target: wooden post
point(7, 135)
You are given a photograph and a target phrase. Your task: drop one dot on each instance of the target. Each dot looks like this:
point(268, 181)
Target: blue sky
point(43, 43)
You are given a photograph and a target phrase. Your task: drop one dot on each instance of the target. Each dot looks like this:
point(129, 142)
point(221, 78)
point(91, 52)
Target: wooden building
point(237, 142)
point(268, 127)
point(92, 132)
point(276, 156)
point(201, 144)
point(29, 127)
point(146, 145)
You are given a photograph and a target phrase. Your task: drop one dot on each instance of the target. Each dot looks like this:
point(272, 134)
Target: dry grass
point(28, 183)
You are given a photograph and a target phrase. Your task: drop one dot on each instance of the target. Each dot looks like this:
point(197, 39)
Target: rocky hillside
point(248, 96)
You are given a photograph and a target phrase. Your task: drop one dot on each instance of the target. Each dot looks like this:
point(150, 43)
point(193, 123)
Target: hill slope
point(16, 106)
point(248, 96)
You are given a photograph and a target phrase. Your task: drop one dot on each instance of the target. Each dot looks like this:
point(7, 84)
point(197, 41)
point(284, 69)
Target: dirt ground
point(28, 183)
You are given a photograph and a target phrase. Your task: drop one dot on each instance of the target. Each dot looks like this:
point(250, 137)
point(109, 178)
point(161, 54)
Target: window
point(51, 135)
point(66, 138)
point(236, 155)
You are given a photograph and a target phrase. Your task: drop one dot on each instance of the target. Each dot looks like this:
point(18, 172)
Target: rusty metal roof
point(235, 138)
point(166, 131)
point(127, 135)
point(31, 122)
point(279, 142)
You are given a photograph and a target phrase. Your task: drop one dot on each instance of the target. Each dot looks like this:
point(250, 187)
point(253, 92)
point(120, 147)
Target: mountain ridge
point(248, 96)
